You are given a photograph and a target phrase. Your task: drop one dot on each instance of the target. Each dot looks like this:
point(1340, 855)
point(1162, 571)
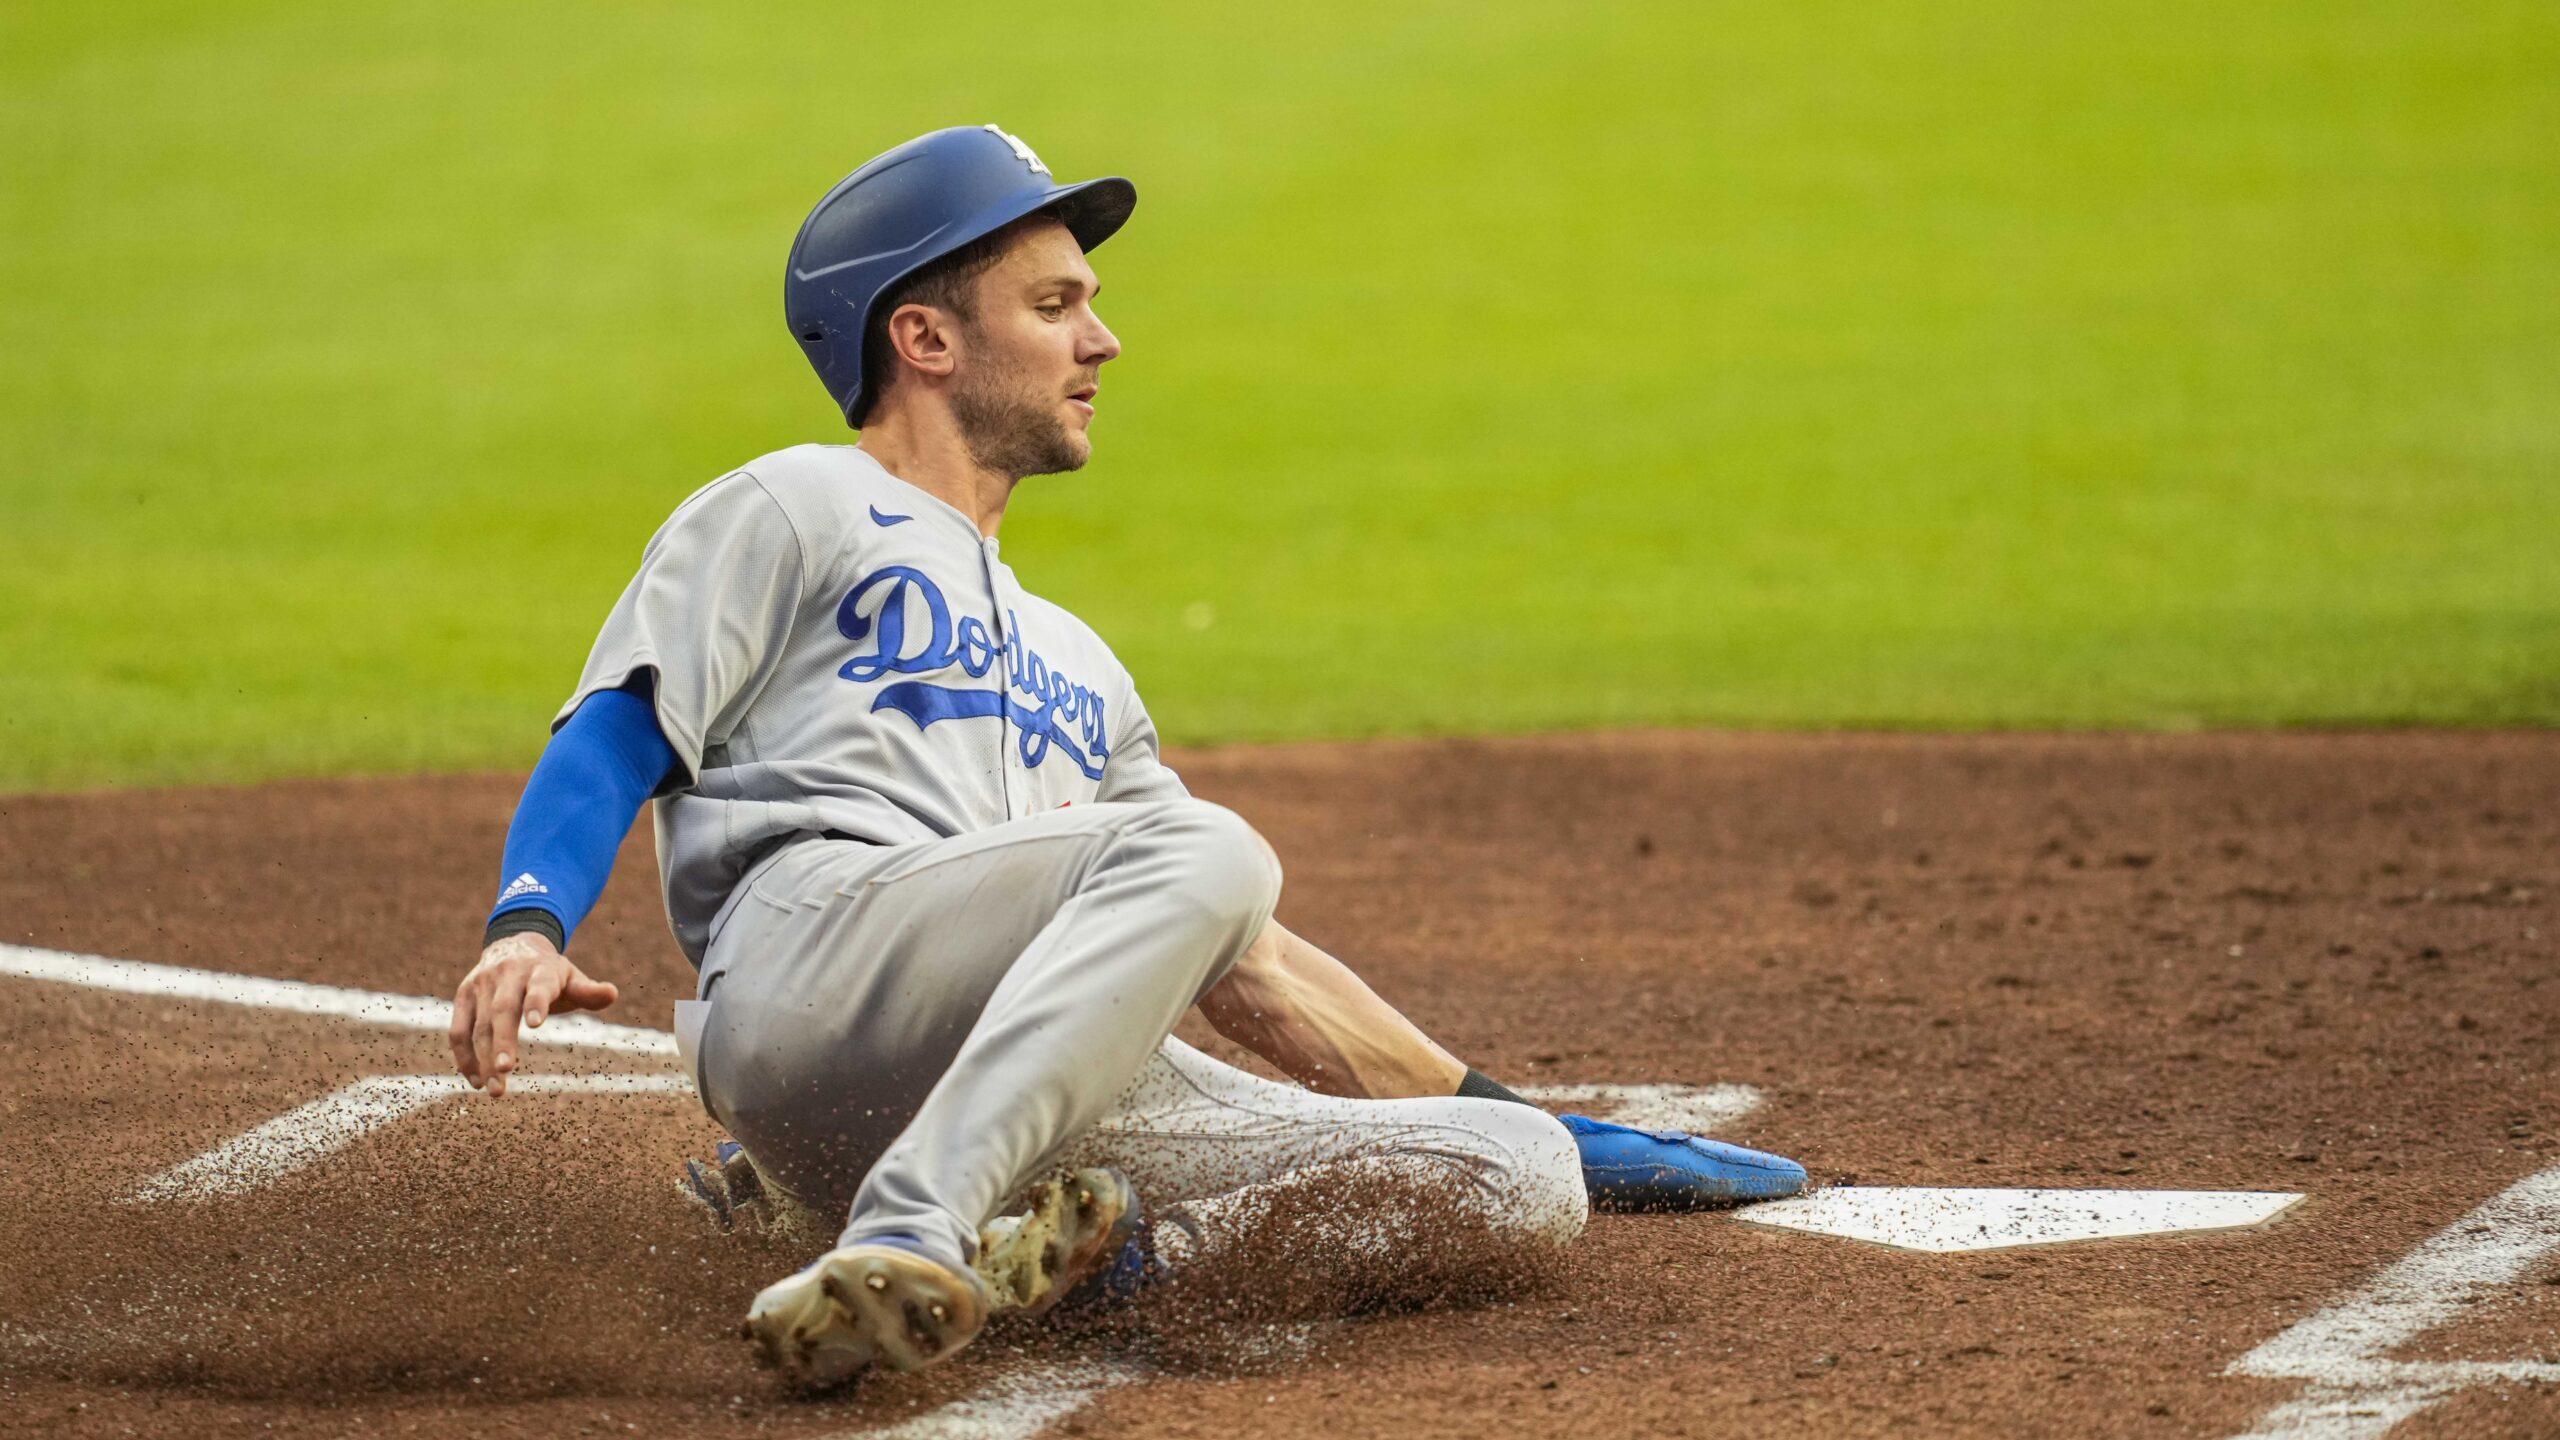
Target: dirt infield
point(2309, 963)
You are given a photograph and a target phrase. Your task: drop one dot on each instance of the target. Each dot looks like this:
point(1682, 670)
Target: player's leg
point(924, 1028)
point(1196, 1131)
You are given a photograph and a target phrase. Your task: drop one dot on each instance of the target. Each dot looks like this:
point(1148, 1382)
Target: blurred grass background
point(1490, 366)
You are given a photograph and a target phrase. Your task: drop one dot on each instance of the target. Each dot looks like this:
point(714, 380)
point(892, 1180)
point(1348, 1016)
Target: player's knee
point(1221, 863)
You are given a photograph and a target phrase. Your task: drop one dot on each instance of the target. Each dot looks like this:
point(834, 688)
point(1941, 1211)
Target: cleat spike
point(860, 1306)
point(1078, 1225)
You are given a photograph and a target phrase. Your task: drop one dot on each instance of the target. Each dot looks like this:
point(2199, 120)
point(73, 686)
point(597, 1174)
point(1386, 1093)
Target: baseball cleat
point(1140, 1266)
point(1630, 1169)
point(1080, 1232)
point(736, 1196)
point(861, 1304)
point(724, 1187)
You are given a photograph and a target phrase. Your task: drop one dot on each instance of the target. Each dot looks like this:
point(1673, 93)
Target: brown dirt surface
point(2320, 963)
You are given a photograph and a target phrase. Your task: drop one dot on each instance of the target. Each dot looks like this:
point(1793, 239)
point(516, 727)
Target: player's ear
point(924, 338)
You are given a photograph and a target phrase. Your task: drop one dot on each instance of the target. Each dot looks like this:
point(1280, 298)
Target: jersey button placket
point(1013, 808)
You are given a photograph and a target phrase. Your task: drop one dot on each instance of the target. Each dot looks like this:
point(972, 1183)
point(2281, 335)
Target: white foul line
point(373, 1007)
point(2355, 1393)
point(307, 1134)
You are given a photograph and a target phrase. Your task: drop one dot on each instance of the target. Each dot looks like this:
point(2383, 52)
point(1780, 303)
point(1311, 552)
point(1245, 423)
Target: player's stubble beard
point(1009, 427)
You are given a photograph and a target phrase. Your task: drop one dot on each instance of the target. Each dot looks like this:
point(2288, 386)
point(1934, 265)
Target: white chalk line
point(1021, 1403)
point(302, 1137)
point(1025, 1401)
point(1698, 1109)
point(372, 1007)
point(2356, 1394)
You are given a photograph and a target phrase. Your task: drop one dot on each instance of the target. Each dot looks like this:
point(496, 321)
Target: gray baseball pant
point(921, 1030)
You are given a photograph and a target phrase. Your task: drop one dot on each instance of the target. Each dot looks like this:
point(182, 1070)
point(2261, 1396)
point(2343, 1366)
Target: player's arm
point(695, 633)
point(1307, 1013)
point(599, 769)
point(1290, 1002)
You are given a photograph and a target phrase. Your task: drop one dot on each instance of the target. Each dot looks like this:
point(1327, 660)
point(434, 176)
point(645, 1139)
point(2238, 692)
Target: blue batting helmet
point(902, 211)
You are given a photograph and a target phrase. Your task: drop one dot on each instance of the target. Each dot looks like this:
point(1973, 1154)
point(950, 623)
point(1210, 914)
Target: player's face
point(1024, 391)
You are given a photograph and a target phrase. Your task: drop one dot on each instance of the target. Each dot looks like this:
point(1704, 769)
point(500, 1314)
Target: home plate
point(1918, 1218)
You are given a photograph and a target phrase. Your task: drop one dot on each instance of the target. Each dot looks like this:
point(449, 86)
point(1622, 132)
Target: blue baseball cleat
point(1630, 1169)
point(1140, 1265)
point(726, 1187)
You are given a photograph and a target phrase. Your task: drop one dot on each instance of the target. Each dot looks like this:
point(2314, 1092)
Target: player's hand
point(519, 978)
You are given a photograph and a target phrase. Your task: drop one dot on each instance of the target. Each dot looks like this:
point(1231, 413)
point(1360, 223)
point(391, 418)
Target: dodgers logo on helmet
point(1020, 149)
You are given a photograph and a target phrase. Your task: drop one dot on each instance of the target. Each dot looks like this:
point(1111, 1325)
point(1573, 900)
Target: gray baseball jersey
point(836, 650)
point(914, 1028)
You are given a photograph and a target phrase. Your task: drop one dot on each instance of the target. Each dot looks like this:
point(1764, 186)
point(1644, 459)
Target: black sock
point(1480, 1086)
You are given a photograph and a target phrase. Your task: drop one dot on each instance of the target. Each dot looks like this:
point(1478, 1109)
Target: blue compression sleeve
point(593, 778)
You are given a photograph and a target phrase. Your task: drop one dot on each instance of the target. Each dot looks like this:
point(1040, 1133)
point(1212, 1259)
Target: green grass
point(1490, 366)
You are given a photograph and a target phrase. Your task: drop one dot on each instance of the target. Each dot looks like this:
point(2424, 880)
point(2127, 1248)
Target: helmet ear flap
point(818, 345)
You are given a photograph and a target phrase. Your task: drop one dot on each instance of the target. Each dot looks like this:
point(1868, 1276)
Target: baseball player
point(945, 899)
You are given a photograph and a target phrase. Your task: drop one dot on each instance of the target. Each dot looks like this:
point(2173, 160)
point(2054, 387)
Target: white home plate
point(1915, 1218)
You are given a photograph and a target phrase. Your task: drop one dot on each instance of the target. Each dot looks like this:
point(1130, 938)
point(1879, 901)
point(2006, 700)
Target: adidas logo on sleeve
point(521, 886)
